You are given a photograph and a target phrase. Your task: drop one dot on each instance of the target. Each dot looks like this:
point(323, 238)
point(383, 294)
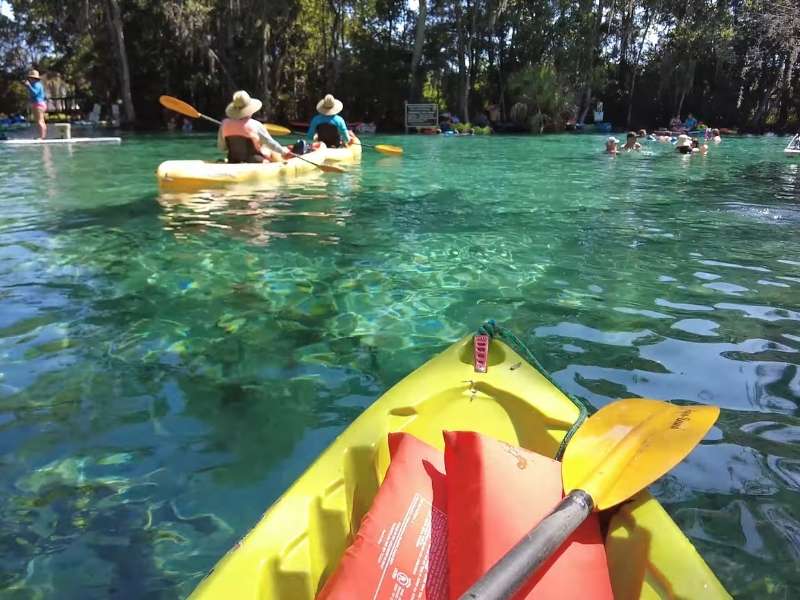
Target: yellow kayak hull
point(187, 175)
point(297, 543)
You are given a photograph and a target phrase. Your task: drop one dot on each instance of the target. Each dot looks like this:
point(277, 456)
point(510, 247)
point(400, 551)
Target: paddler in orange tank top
point(244, 139)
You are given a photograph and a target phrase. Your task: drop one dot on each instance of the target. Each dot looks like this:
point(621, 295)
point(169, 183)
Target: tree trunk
point(626, 35)
point(594, 43)
point(635, 69)
point(231, 83)
point(265, 67)
point(465, 40)
point(472, 61)
point(334, 64)
point(629, 115)
point(587, 102)
point(463, 76)
point(415, 90)
point(686, 84)
point(786, 87)
point(114, 21)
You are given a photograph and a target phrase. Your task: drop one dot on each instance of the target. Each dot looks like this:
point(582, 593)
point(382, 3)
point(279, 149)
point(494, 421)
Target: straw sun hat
point(684, 141)
point(329, 106)
point(33, 74)
point(242, 106)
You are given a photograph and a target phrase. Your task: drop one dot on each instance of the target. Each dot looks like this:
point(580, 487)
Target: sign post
point(421, 116)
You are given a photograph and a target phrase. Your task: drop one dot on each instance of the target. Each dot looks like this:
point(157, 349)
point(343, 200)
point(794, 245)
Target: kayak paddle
point(323, 167)
point(179, 106)
point(277, 129)
point(617, 452)
point(383, 148)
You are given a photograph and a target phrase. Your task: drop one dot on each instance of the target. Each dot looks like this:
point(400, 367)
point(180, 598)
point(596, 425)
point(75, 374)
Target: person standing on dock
point(38, 101)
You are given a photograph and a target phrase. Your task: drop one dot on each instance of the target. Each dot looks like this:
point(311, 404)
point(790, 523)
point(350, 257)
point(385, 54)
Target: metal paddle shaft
point(322, 167)
point(511, 572)
point(382, 148)
point(211, 119)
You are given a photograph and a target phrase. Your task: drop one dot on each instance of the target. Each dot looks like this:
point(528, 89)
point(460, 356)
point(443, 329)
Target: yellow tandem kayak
point(297, 543)
point(187, 175)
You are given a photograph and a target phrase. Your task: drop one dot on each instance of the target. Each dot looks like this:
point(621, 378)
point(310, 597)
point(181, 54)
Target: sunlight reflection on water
point(171, 362)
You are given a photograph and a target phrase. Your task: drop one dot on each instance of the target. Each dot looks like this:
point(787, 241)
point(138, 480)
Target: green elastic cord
point(493, 330)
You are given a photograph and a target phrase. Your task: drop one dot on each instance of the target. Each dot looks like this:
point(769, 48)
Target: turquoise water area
point(170, 363)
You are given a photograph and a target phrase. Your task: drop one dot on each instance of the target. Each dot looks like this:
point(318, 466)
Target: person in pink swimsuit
point(38, 101)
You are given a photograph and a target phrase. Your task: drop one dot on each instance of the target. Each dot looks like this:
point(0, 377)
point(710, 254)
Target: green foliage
point(13, 97)
point(542, 62)
point(542, 91)
point(466, 128)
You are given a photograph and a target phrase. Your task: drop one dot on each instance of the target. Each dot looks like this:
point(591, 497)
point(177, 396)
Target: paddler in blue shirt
point(38, 101)
point(328, 126)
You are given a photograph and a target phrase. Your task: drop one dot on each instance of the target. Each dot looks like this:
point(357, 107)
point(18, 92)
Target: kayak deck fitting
point(297, 543)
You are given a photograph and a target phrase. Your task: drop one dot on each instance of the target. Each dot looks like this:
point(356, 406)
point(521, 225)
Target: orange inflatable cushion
point(496, 494)
point(400, 550)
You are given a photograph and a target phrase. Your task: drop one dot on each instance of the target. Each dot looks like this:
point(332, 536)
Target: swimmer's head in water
point(684, 144)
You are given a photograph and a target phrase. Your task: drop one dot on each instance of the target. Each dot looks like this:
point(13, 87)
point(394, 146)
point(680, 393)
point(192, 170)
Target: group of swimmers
point(678, 126)
point(246, 140)
point(185, 125)
point(683, 143)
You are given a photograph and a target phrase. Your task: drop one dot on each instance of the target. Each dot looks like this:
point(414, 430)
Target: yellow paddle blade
point(277, 129)
point(321, 166)
point(179, 106)
point(628, 444)
point(332, 169)
point(387, 149)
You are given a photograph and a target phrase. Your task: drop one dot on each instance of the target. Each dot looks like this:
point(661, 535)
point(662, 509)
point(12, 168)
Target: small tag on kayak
point(481, 353)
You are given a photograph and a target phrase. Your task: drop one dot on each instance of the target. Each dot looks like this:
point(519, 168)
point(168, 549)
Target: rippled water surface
point(170, 363)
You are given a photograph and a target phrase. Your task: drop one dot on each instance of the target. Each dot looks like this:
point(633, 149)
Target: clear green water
point(168, 365)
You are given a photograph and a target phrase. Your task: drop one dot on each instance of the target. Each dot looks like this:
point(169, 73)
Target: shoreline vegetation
point(537, 67)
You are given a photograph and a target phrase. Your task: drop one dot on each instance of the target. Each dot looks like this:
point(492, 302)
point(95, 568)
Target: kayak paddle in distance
point(617, 452)
point(383, 148)
point(181, 107)
point(277, 129)
point(386, 149)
